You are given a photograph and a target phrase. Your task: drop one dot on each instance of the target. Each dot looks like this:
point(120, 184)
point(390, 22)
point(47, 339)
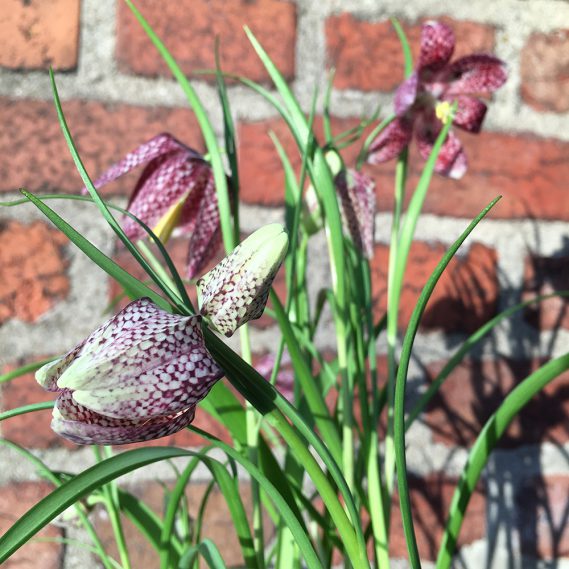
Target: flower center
point(443, 110)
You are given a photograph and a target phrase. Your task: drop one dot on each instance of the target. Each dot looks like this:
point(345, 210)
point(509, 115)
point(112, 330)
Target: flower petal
point(138, 339)
point(406, 94)
point(83, 426)
point(437, 46)
point(357, 195)
point(165, 181)
point(470, 113)
point(236, 290)
point(206, 236)
point(391, 141)
point(451, 161)
point(158, 146)
point(474, 74)
point(180, 383)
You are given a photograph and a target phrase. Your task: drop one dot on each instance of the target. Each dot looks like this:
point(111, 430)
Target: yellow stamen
point(169, 220)
point(443, 111)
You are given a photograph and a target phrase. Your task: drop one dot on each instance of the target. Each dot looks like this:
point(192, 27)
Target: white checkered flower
point(137, 377)
point(236, 290)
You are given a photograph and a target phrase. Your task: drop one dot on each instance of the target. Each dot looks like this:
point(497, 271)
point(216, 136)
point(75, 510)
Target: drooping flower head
point(357, 200)
point(137, 377)
point(423, 101)
point(236, 290)
point(175, 191)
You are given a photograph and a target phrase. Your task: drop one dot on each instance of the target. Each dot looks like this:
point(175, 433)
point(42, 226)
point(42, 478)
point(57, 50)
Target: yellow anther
point(443, 111)
point(167, 223)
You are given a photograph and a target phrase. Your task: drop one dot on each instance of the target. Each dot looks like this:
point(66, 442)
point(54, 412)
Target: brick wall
point(117, 93)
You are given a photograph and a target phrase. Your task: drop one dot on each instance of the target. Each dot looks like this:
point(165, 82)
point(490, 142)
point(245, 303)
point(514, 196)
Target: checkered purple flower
point(175, 193)
point(236, 290)
point(423, 101)
point(137, 377)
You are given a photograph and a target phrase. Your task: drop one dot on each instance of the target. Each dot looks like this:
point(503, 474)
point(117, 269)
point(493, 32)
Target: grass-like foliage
point(317, 469)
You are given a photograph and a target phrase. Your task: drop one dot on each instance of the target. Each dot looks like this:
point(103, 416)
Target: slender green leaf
point(26, 409)
point(132, 285)
point(486, 441)
point(205, 126)
point(455, 360)
point(399, 410)
point(115, 226)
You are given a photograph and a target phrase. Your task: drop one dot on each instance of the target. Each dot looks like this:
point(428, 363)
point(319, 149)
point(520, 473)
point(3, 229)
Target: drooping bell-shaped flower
point(357, 200)
point(137, 377)
point(236, 290)
point(357, 196)
point(174, 194)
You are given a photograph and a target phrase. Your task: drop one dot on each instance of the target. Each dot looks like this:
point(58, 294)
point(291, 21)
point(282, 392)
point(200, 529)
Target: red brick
point(189, 29)
point(544, 61)
point(474, 391)
point(32, 270)
point(37, 34)
point(465, 297)
point(217, 524)
point(542, 504)
point(528, 171)
point(32, 430)
point(38, 156)
point(430, 499)
point(15, 500)
point(367, 55)
point(545, 275)
point(260, 168)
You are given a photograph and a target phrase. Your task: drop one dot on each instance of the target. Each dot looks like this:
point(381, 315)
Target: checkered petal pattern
point(139, 376)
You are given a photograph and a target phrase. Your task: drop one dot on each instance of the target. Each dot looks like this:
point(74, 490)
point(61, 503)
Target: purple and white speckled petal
point(236, 290)
point(437, 46)
point(180, 383)
point(158, 146)
point(475, 74)
point(391, 141)
point(206, 236)
point(406, 94)
point(451, 161)
point(357, 195)
point(470, 113)
point(164, 183)
point(121, 354)
point(86, 427)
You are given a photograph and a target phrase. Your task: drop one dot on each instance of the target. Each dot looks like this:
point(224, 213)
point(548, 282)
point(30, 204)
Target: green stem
point(393, 299)
point(252, 428)
point(111, 502)
point(157, 266)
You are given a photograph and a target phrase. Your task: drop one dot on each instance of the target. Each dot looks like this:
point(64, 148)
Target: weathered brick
point(217, 523)
point(189, 29)
point(541, 518)
point(545, 275)
point(37, 34)
point(32, 270)
point(260, 168)
point(528, 171)
point(430, 499)
point(465, 297)
point(31, 430)
point(15, 500)
point(544, 61)
point(368, 56)
point(38, 158)
point(475, 389)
